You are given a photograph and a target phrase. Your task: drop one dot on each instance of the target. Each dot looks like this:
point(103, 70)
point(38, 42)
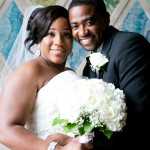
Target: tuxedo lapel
point(107, 46)
point(87, 71)
point(108, 40)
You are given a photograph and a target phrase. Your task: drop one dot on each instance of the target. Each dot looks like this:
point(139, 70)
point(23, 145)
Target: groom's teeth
point(85, 40)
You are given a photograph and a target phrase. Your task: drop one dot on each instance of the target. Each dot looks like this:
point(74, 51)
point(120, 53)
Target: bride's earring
point(38, 51)
point(71, 55)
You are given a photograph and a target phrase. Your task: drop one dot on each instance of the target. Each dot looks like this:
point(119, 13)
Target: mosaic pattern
point(78, 55)
point(111, 5)
point(10, 24)
point(136, 21)
point(44, 3)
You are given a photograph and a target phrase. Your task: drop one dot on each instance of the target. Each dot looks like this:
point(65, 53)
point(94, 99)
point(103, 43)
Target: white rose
point(97, 60)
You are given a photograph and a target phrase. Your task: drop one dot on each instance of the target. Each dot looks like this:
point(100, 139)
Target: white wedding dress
point(41, 119)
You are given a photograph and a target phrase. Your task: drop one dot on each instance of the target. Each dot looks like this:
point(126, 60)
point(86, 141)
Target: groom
point(128, 69)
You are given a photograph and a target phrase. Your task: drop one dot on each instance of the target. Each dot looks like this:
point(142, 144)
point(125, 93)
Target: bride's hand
point(62, 139)
point(66, 142)
point(76, 145)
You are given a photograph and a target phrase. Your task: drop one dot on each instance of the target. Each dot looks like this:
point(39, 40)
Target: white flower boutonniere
point(98, 60)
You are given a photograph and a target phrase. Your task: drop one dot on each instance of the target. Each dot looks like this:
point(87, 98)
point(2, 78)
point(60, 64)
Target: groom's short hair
point(99, 5)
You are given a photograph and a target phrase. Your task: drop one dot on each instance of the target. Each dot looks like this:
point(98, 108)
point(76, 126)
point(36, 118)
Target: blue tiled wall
point(10, 24)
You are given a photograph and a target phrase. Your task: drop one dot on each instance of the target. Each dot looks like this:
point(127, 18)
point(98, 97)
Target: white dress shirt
point(98, 50)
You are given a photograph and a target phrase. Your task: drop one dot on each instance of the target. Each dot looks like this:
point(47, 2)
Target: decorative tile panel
point(111, 5)
point(10, 24)
point(78, 55)
point(136, 20)
point(44, 3)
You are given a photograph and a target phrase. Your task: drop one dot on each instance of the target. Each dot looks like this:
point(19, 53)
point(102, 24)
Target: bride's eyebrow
point(51, 29)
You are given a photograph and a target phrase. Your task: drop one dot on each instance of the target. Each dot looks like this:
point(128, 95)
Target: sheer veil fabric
point(19, 54)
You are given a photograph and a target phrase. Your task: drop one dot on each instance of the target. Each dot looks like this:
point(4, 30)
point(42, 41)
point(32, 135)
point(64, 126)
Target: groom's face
point(88, 26)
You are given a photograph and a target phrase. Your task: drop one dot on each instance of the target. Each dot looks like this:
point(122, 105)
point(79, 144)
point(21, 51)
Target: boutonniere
point(98, 61)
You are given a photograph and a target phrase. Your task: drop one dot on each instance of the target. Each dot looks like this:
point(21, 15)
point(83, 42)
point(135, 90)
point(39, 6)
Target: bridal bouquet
point(89, 104)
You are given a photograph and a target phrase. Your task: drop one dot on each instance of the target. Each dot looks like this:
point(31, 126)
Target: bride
point(26, 112)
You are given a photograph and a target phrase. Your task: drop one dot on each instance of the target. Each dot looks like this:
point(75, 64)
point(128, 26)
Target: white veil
point(19, 54)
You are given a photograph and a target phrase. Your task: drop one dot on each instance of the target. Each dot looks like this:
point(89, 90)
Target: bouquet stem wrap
point(87, 137)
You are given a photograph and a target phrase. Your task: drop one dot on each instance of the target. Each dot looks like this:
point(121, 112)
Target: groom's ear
point(107, 18)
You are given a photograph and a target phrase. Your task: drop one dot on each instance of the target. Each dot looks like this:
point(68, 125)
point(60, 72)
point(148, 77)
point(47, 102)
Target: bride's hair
point(39, 25)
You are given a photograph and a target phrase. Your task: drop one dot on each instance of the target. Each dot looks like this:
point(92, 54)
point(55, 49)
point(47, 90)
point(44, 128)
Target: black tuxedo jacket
point(128, 69)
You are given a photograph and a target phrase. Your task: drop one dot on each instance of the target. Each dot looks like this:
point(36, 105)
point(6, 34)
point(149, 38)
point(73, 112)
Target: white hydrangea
point(95, 99)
